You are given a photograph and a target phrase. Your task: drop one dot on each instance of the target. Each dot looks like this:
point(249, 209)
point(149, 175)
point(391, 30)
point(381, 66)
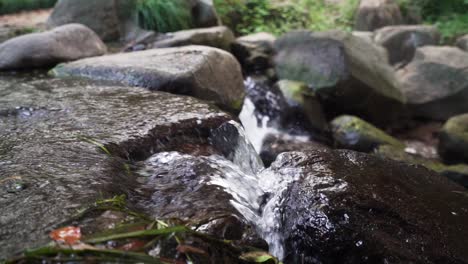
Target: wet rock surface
point(453, 138)
point(202, 72)
point(435, 82)
point(349, 207)
point(54, 137)
point(255, 52)
point(46, 49)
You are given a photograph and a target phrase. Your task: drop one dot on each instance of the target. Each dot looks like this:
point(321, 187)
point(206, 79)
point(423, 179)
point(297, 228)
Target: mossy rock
point(354, 133)
point(453, 146)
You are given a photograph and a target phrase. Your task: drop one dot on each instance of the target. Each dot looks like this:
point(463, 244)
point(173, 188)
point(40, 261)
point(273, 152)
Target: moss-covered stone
point(354, 133)
point(457, 173)
point(453, 146)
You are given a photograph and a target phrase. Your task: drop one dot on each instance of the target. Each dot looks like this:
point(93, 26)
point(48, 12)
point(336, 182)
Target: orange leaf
point(69, 235)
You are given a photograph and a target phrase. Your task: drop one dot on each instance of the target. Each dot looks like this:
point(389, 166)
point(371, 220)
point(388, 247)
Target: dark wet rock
point(453, 145)
point(204, 13)
point(401, 42)
point(51, 164)
point(351, 207)
point(273, 145)
point(255, 51)
point(66, 43)
point(375, 14)
point(435, 83)
point(347, 72)
point(110, 19)
point(457, 173)
point(462, 43)
point(351, 132)
point(202, 72)
point(218, 37)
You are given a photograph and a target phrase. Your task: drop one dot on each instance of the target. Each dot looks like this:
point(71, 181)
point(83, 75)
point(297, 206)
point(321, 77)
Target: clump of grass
point(164, 15)
point(13, 6)
point(452, 26)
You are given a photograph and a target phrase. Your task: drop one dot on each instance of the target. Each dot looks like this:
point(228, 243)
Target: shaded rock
point(353, 133)
point(350, 207)
point(366, 35)
point(453, 140)
point(375, 14)
point(457, 173)
point(303, 102)
point(110, 19)
point(254, 51)
point(401, 42)
point(462, 43)
point(202, 72)
point(204, 13)
point(435, 83)
point(218, 37)
point(66, 43)
point(347, 72)
point(54, 150)
point(273, 145)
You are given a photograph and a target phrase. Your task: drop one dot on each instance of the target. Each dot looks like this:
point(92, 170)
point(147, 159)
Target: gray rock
point(435, 83)
point(462, 43)
point(352, 207)
point(52, 131)
point(110, 19)
point(354, 133)
point(453, 145)
point(401, 42)
point(204, 13)
point(255, 51)
point(65, 43)
point(366, 35)
point(203, 72)
point(218, 37)
point(348, 72)
point(375, 14)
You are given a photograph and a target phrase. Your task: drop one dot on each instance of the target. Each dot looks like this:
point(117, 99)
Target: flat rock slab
point(203, 72)
point(49, 165)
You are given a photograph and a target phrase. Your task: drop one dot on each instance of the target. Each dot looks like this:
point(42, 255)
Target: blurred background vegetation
point(277, 16)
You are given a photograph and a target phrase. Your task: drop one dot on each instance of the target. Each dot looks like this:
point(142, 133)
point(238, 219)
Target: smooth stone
point(453, 140)
point(375, 14)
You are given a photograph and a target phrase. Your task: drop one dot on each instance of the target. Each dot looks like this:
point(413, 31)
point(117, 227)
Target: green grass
point(164, 15)
point(13, 6)
point(452, 26)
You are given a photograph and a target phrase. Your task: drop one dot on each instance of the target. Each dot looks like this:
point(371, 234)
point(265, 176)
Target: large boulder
point(110, 19)
point(375, 14)
point(65, 43)
point(349, 73)
point(218, 37)
point(435, 83)
point(350, 207)
point(67, 143)
point(204, 13)
point(255, 51)
point(401, 42)
point(203, 72)
point(462, 42)
point(351, 132)
point(453, 145)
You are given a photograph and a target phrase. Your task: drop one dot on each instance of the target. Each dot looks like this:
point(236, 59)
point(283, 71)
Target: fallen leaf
point(69, 235)
point(133, 246)
point(258, 257)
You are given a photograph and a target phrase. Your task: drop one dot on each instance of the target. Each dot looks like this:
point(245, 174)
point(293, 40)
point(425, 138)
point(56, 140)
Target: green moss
point(457, 128)
point(295, 91)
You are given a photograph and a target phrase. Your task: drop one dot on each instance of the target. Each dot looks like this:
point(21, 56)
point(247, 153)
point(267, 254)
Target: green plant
point(13, 6)
point(163, 15)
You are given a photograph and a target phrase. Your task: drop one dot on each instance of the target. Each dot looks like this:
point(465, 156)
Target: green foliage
point(452, 26)
point(280, 16)
point(163, 15)
point(13, 6)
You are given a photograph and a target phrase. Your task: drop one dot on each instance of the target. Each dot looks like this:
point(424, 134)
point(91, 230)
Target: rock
point(401, 42)
point(375, 14)
point(202, 72)
point(254, 51)
point(66, 43)
point(366, 35)
point(347, 72)
point(457, 173)
point(462, 43)
point(350, 207)
point(273, 145)
point(110, 19)
point(218, 37)
point(354, 133)
point(435, 83)
point(54, 137)
point(303, 102)
point(204, 13)
point(453, 145)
